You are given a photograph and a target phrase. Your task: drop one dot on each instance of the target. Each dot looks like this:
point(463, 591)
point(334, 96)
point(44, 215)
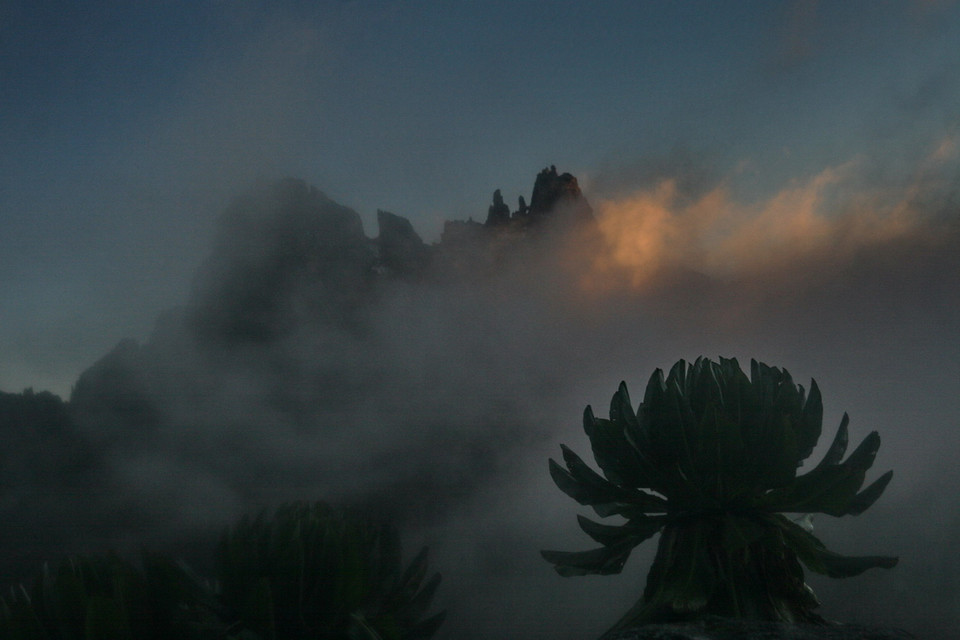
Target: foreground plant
point(710, 460)
point(310, 571)
point(108, 598)
point(313, 571)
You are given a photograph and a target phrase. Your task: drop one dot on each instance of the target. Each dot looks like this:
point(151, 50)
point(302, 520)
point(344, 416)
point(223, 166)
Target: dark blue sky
point(126, 126)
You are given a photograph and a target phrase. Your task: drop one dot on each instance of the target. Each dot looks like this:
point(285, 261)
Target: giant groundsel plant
point(108, 598)
point(311, 571)
point(710, 460)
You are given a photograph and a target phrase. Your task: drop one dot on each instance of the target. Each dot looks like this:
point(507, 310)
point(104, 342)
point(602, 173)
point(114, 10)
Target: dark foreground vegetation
point(310, 571)
point(709, 460)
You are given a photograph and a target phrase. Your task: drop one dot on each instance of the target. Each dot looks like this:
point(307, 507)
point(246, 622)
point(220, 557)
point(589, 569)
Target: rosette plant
point(710, 460)
point(105, 597)
point(315, 571)
point(311, 571)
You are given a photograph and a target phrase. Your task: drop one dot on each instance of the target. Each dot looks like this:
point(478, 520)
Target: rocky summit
point(290, 266)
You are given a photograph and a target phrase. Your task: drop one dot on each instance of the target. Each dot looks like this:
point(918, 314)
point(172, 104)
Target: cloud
point(830, 216)
point(441, 400)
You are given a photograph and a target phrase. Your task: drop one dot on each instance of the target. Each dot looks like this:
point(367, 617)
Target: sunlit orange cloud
point(656, 230)
point(646, 232)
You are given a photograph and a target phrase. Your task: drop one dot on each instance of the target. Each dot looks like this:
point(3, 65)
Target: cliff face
point(288, 256)
point(558, 195)
point(400, 249)
point(558, 213)
point(282, 312)
point(115, 392)
point(281, 256)
point(555, 197)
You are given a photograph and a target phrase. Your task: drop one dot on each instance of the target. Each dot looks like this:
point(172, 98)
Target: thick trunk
point(702, 568)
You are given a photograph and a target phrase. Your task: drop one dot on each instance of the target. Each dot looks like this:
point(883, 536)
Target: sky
point(126, 128)
point(775, 180)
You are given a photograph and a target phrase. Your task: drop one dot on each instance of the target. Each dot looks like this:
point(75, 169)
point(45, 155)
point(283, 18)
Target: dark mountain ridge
point(287, 260)
point(293, 331)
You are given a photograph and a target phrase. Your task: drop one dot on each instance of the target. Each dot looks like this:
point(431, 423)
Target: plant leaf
point(819, 559)
point(587, 487)
point(640, 528)
point(865, 499)
point(619, 461)
point(838, 447)
point(602, 561)
point(811, 422)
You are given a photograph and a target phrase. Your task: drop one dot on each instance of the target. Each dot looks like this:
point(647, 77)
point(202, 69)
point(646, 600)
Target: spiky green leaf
point(838, 447)
point(819, 559)
point(811, 422)
point(602, 561)
point(587, 487)
point(620, 462)
point(865, 499)
point(639, 528)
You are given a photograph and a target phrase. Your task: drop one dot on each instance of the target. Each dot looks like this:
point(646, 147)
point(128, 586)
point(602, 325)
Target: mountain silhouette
point(299, 335)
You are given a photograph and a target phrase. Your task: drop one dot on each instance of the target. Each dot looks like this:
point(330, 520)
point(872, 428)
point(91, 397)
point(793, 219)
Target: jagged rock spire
point(552, 190)
point(499, 213)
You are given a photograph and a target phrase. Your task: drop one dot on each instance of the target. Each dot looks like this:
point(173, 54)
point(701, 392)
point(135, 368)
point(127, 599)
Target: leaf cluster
point(315, 571)
point(710, 457)
point(310, 571)
point(107, 597)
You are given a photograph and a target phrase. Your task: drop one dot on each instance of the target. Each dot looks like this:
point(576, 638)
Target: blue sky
point(125, 127)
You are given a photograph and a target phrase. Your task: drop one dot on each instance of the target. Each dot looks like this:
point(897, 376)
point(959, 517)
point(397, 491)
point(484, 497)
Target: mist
point(303, 366)
point(769, 182)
